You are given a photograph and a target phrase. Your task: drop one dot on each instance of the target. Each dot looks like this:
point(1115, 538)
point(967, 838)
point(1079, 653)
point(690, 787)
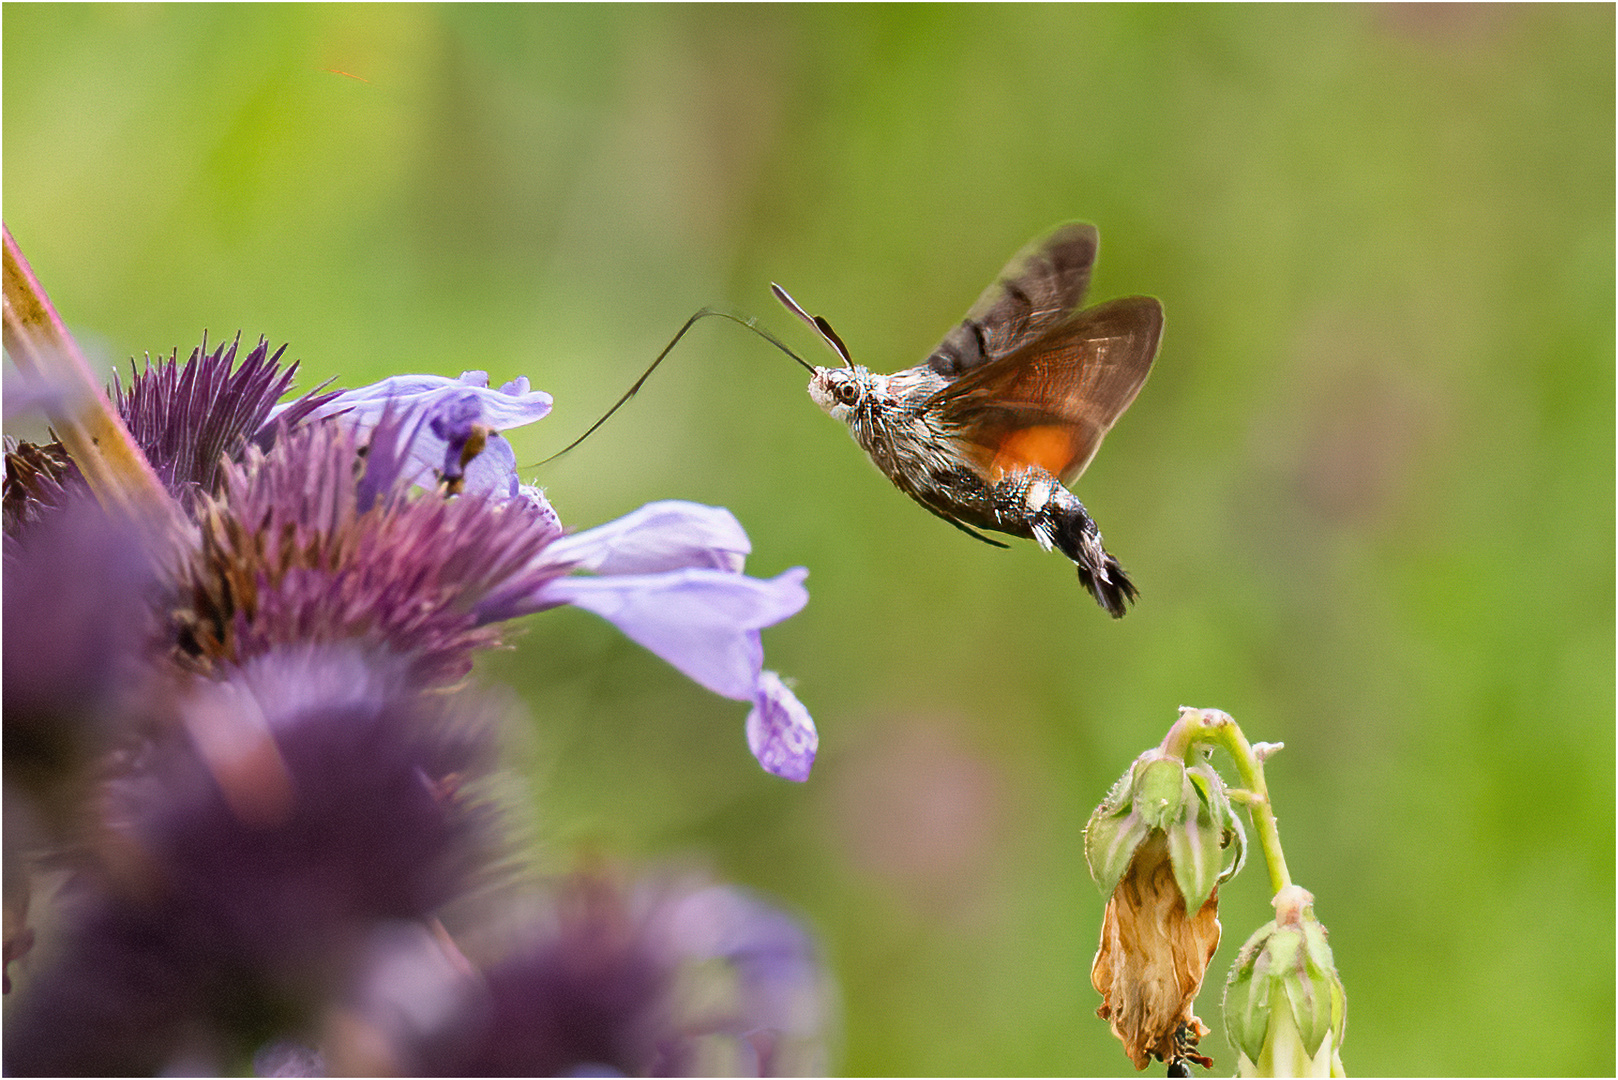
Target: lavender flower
point(670, 977)
point(460, 415)
point(668, 575)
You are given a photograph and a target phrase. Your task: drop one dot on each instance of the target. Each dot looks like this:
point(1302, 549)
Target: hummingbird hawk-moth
point(1011, 406)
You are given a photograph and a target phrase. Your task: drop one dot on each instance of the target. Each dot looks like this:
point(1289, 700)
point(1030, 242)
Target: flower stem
point(1213, 726)
point(89, 427)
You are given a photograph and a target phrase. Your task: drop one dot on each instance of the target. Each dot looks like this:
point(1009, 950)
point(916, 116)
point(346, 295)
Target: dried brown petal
point(1152, 958)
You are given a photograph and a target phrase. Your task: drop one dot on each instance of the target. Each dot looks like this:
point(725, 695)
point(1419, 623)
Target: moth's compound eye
point(847, 391)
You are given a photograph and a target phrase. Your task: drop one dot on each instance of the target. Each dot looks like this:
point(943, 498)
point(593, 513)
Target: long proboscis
point(751, 324)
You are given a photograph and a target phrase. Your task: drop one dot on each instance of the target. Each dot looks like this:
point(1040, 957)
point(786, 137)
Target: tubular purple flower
point(447, 406)
point(671, 580)
point(706, 623)
point(668, 575)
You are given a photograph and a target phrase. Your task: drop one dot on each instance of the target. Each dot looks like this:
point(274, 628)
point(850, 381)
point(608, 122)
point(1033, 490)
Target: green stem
point(1213, 726)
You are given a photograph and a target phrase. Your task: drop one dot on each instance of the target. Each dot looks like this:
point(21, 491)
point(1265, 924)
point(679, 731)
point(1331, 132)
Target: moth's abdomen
point(1050, 513)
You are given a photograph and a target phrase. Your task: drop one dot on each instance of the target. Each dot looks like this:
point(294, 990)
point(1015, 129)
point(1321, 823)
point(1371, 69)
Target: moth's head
point(839, 390)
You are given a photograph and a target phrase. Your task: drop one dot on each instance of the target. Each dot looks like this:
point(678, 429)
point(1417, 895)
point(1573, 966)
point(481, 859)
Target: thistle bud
point(1284, 1004)
point(1156, 844)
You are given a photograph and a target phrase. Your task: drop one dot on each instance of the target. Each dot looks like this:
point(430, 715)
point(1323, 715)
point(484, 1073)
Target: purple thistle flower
point(189, 418)
point(38, 476)
point(298, 543)
point(284, 781)
point(301, 547)
point(314, 795)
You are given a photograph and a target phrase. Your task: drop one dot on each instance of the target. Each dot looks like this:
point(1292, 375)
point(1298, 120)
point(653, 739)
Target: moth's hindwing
point(1050, 402)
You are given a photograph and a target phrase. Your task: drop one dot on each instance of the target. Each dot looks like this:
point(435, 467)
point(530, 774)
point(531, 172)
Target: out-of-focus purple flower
point(283, 1058)
point(79, 627)
point(753, 995)
point(79, 620)
point(315, 793)
point(670, 978)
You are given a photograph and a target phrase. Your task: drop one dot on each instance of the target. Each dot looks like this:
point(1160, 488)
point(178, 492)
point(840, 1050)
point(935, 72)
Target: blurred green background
point(1368, 493)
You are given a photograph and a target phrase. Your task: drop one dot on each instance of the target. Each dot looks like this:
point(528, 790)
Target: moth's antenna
point(751, 324)
point(816, 323)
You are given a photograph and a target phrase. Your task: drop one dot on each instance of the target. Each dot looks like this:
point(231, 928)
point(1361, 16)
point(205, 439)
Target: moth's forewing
point(1037, 291)
point(1050, 402)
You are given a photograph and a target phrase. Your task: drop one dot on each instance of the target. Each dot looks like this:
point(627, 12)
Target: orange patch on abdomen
point(1047, 447)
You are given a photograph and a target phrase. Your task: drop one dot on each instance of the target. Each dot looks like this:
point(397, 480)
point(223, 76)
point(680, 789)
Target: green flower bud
point(1160, 790)
point(1285, 1008)
point(1113, 833)
point(1188, 805)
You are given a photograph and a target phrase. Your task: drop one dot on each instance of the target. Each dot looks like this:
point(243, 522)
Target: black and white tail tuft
point(1076, 536)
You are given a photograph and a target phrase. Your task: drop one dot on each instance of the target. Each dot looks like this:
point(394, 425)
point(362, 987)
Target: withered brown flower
point(1152, 959)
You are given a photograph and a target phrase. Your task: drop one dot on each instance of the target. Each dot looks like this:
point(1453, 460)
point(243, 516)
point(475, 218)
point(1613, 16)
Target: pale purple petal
point(494, 471)
point(704, 622)
point(780, 732)
point(448, 408)
point(454, 422)
point(667, 535)
point(513, 405)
